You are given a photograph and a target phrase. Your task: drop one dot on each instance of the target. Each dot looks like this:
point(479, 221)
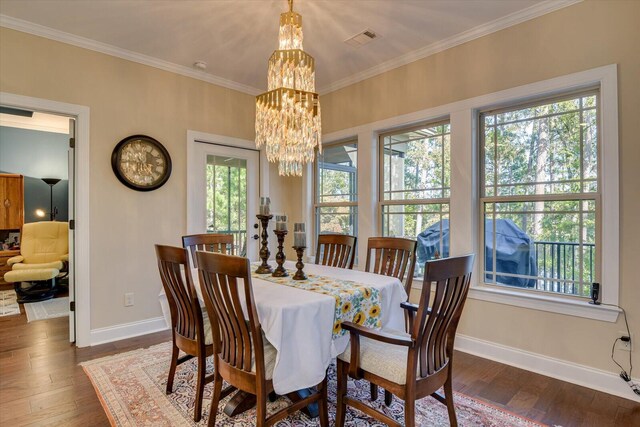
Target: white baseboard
point(585, 376)
point(127, 330)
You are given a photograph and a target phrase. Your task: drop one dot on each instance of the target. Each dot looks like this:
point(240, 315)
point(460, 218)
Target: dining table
point(300, 323)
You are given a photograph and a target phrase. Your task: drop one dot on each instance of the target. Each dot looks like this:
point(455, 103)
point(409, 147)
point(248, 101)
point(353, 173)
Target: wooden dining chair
point(191, 330)
point(396, 257)
point(415, 365)
point(243, 357)
point(336, 250)
point(222, 243)
point(392, 256)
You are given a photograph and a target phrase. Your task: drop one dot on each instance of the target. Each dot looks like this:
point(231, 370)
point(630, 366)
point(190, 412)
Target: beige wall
point(577, 38)
point(125, 98)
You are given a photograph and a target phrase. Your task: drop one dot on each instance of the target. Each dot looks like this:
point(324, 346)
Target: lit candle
point(265, 208)
point(299, 235)
point(281, 223)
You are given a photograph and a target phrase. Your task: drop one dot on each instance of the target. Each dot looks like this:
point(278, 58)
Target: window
point(336, 180)
point(540, 195)
point(415, 188)
point(227, 199)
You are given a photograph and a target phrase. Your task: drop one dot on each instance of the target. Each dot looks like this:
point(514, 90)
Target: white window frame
point(464, 200)
point(605, 78)
point(404, 202)
point(566, 196)
point(317, 204)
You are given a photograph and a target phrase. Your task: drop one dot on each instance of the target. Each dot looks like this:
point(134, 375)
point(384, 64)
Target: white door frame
point(193, 138)
point(81, 196)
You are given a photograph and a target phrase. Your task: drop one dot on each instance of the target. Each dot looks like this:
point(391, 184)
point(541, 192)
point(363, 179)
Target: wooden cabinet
point(4, 256)
point(11, 201)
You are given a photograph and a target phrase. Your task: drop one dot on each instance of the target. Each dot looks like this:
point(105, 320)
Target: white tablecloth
point(299, 323)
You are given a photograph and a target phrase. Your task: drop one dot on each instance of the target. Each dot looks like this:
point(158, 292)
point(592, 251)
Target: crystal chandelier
point(288, 115)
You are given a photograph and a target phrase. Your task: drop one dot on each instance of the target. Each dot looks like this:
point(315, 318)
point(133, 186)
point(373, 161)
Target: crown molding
point(515, 18)
point(510, 20)
point(85, 43)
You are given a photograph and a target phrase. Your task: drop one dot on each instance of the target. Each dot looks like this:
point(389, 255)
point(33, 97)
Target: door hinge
point(72, 224)
point(72, 143)
point(72, 306)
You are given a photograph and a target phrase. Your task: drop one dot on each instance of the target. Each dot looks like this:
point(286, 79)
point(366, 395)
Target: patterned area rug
point(49, 309)
point(8, 303)
point(131, 388)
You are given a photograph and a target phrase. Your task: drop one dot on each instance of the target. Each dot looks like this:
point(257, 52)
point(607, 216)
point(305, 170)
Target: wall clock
point(141, 163)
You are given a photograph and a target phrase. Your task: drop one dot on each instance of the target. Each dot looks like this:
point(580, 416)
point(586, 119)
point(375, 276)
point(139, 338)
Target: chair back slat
point(221, 243)
point(225, 281)
point(435, 333)
point(336, 250)
point(392, 256)
point(175, 274)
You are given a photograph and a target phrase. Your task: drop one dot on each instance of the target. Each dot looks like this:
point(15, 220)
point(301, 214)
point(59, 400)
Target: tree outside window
point(415, 188)
point(540, 194)
point(336, 178)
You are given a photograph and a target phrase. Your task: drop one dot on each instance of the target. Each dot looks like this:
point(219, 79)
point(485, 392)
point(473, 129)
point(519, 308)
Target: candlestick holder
point(300, 265)
point(264, 268)
point(280, 271)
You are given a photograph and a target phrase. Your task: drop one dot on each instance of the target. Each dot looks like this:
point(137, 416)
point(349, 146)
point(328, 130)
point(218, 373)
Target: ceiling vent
point(362, 38)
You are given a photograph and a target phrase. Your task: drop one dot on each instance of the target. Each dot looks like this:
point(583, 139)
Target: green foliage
point(337, 182)
point(227, 197)
point(547, 149)
point(416, 166)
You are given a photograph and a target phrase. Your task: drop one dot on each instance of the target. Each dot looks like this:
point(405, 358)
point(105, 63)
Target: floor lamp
point(52, 182)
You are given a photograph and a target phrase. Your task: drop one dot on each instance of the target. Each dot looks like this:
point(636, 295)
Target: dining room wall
point(125, 98)
point(583, 36)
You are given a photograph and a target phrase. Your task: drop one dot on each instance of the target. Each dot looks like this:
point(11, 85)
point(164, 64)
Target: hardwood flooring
point(41, 383)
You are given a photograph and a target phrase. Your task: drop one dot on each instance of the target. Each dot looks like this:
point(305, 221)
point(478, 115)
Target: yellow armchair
point(44, 252)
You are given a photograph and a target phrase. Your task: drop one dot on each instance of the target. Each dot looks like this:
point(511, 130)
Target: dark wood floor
point(42, 384)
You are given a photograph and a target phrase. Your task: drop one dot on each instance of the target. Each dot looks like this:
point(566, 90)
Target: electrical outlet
point(625, 345)
point(128, 299)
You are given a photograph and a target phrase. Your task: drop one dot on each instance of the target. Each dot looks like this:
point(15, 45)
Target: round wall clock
point(141, 163)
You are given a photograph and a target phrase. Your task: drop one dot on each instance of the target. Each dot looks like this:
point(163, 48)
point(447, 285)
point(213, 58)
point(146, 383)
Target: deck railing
point(559, 264)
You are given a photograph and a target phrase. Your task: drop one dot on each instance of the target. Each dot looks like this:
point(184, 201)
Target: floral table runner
point(355, 302)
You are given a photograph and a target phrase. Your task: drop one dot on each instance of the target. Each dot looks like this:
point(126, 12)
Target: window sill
point(548, 303)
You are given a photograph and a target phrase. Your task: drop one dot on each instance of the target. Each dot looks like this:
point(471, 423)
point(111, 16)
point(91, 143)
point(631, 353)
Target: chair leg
point(374, 391)
point(388, 398)
point(322, 404)
point(261, 409)
point(341, 406)
point(410, 412)
point(215, 399)
point(448, 396)
point(172, 369)
point(202, 368)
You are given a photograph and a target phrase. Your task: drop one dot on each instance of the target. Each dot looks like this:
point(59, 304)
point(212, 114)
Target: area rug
point(8, 303)
point(49, 309)
point(131, 388)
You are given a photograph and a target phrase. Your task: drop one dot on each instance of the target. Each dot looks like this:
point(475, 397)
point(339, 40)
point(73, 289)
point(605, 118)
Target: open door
point(72, 263)
point(227, 183)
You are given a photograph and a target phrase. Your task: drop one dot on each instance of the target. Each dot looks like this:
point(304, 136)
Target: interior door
point(72, 294)
point(227, 184)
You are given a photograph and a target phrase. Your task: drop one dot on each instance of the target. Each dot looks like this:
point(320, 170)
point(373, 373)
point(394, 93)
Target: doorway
point(224, 193)
point(76, 159)
point(36, 172)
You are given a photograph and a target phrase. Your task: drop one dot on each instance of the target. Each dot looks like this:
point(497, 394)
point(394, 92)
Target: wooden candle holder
point(264, 268)
point(300, 265)
point(280, 271)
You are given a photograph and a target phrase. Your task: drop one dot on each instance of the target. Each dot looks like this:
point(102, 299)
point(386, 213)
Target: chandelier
point(288, 114)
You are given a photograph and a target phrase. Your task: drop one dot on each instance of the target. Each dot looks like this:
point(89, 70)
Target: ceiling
point(236, 37)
